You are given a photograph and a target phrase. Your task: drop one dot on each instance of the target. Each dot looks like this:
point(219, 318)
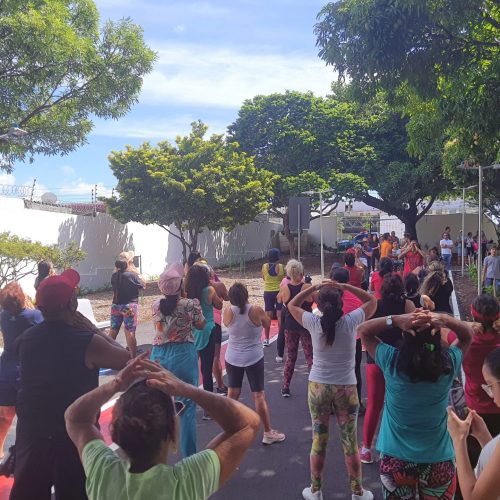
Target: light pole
point(463, 223)
point(322, 255)
point(466, 166)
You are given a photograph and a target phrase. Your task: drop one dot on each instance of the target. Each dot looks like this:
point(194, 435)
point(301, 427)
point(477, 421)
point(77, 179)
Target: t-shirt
point(385, 249)
point(413, 426)
point(486, 454)
point(350, 302)
point(334, 364)
point(412, 261)
point(273, 273)
point(482, 344)
point(179, 326)
point(446, 251)
point(492, 266)
point(377, 281)
point(194, 478)
point(126, 286)
point(355, 275)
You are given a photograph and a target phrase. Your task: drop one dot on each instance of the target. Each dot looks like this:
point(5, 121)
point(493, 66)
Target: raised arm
point(214, 299)
point(239, 423)
point(462, 329)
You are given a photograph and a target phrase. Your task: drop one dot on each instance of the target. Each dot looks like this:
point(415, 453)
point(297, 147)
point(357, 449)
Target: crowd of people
point(428, 424)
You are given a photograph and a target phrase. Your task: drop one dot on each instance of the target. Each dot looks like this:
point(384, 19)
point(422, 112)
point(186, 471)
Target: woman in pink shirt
point(385, 266)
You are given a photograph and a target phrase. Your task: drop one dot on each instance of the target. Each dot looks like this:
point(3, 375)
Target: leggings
point(292, 348)
point(280, 344)
point(402, 480)
point(357, 368)
point(344, 399)
point(206, 361)
point(375, 388)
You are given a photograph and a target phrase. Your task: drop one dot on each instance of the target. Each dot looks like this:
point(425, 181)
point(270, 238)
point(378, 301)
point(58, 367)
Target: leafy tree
point(195, 184)
point(58, 67)
point(446, 51)
point(19, 257)
point(300, 138)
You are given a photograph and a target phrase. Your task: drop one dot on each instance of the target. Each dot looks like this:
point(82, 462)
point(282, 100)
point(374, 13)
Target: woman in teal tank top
point(198, 287)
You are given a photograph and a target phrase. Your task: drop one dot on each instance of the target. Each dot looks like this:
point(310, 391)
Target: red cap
point(55, 292)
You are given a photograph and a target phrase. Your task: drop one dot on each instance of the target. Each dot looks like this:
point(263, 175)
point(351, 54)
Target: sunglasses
point(488, 389)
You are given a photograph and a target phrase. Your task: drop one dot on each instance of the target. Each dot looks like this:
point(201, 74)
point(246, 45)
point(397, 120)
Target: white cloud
point(153, 130)
point(82, 189)
point(180, 28)
point(198, 74)
point(67, 170)
point(7, 179)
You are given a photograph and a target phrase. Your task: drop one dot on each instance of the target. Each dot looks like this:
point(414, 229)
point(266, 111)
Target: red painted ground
point(6, 483)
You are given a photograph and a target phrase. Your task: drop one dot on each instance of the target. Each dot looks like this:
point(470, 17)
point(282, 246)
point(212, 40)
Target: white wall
point(103, 238)
point(329, 231)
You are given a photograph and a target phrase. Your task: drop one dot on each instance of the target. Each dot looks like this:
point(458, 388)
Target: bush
point(19, 257)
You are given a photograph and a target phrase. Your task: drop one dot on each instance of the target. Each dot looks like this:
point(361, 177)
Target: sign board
point(299, 212)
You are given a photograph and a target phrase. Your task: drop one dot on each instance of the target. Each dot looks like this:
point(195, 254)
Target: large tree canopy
point(447, 50)
point(58, 67)
point(195, 184)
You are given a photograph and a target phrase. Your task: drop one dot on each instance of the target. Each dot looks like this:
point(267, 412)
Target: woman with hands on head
point(483, 483)
point(144, 425)
point(415, 447)
point(332, 379)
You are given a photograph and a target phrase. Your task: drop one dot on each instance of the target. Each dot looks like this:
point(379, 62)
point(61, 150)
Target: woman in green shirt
point(144, 425)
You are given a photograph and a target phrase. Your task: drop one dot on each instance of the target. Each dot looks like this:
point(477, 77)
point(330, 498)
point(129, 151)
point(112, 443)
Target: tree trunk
point(288, 234)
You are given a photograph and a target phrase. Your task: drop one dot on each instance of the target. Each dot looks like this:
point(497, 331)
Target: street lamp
point(322, 256)
point(463, 223)
point(466, 166)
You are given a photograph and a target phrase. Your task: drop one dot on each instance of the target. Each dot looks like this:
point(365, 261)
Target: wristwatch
point(388, 321)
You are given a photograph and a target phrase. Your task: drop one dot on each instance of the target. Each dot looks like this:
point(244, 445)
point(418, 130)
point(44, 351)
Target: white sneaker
point(367, 495)
point(307, 494)
point(273, 436)
point(265, 343)
point(279, 359)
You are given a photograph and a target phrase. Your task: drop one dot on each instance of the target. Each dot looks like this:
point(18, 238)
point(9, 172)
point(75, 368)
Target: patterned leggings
point(401, 480)
point(292, 338)
point(344, 399)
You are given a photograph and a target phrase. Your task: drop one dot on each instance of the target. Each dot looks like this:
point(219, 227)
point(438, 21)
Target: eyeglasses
point(488, 389)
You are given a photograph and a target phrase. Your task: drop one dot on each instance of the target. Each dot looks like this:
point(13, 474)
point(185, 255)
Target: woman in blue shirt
point(414, 444)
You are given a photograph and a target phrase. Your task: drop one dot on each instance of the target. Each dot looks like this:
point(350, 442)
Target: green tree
point(446, 51)
point(58, 68)
point(301, 138)
point(184, 188)
point(19, 257)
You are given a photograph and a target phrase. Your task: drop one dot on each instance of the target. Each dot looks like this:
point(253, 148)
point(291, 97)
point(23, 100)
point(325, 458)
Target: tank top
point(272, 281)
point(202, 337)
point(391, 336)
point(53, 375)
point(244, 346)
point(290, 323)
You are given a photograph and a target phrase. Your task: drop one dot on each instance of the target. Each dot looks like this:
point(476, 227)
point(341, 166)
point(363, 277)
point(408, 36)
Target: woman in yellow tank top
point(272, 274)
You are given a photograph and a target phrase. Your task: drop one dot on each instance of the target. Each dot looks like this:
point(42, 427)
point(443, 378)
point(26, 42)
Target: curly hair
point(422, 358)
point(488, 308)
point(143, 418)
point(12, 298)
point(392, 288)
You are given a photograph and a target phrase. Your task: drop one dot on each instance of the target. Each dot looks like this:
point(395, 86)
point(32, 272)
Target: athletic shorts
point(255, 375)
point(217, 333)
point(270, 302)
point(124, 313)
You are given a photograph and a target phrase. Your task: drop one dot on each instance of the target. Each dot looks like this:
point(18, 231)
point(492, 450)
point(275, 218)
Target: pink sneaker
point(365, 455)
point(273, 436)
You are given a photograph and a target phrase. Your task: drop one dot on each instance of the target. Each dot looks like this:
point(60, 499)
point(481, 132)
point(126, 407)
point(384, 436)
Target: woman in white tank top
point(245, 354)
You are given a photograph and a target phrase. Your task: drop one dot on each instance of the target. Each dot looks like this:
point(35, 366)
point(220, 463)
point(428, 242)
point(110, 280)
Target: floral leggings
point(293, 337)
point(344, 399)
point(401, 480)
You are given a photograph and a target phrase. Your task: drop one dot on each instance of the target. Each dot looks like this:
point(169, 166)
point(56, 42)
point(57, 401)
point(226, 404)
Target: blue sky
point(212, 55)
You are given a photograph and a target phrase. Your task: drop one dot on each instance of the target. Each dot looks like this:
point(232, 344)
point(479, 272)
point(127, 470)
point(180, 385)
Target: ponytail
point(168, 304)
point(330, 304)
point(238, 296)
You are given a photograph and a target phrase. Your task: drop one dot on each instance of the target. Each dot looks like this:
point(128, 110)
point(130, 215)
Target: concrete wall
point(103, 238)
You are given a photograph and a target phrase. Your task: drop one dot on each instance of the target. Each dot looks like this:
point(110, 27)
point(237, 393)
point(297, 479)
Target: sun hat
point(170, 280)
point(55, 292)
